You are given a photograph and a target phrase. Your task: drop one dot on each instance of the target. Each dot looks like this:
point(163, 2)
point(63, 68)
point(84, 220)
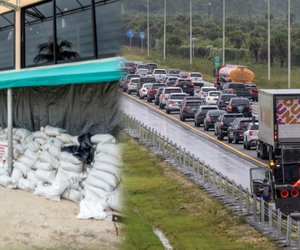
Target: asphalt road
point(231, 160)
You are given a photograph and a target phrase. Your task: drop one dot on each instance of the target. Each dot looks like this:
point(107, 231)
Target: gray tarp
point(78, 108)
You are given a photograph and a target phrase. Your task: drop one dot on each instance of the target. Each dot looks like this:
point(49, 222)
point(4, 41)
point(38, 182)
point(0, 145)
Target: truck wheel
point(220, 137)
point(229, 139)
point(247, 146)
point(263, 152)
point(197, 124)
point(168, 111)
point(235, 140)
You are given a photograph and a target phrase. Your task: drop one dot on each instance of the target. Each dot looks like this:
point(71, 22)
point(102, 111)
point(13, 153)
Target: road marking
point(198, 131)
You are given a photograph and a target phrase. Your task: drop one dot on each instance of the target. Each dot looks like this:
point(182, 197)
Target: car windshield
point(208, 108)
point(237, 86)
point(147, 79)
point(132, 76)
point(174, 71)
point(135, 81)
point(215, 113)
point(254, 127)
point(214, 93)
point(229, 118)
point(172, 79)
point(159, 85)
point(241, 101)
point(244, 124)
point(193, 104)
point(173, 91)
point(160, 72)
point(184, 81)
point(196, 75)
point(129, 64)
point(177, 97)
point(206, 89)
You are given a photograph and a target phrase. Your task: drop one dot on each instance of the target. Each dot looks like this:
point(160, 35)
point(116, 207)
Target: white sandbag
point(31, 154)
point(41, 141)
point(109, 178)
point(115, 201)
point(27, 161)
point(91, 208)
point(52, 131)
point(93, 181)
point(40, 134)
point(34, 146)
point(21, 166)
point(55, 151)
point(103, 138)
point(32, 178)
point(42, 189)
point(67, 139)
point(44, 166)
point(45, 176)
point(16, 173)
point(22, 132)
point(102, 166)
point(45, 156)
point(98, 193)
point(110, 149)
point(71, 167)
point(109, 159)
point(58, 186)
point(67, 157)
point(26, 185)
point(72, 174)
point(5, 181)
point(72, 195)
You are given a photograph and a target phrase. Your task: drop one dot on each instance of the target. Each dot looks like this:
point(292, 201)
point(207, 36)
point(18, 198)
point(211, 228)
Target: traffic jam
point(228, 111)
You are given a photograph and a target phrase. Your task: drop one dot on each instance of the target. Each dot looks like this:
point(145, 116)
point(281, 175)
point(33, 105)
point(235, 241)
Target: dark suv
point(240, 105)
point(153, 89)
point(211, 117)
point(186, 85)
point(223, 100)
point(236, 130)
point(237, 88)
point(223, 122)
point(201, 113)
point(189, 107)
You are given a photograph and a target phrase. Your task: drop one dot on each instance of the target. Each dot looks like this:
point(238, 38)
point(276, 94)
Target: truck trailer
point(279, 142)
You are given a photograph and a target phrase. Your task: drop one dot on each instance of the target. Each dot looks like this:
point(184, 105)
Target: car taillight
point(275, 135)
point(229, 108)
point(233, 91)
point(250, 108)
point(190, 84)
point(208, 119)
point(163, 96)
point(170, 102)
point(284, 193)
point(251, 132)
point(177, 85)
point(186, 107)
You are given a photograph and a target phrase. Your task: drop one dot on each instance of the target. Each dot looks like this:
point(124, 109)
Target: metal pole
point(289, 44)
point(223, 59)
point(148, 30)
point(269, 41)
point(129, 42)
point(191, 34)
point(10, 128)
point(165, 26)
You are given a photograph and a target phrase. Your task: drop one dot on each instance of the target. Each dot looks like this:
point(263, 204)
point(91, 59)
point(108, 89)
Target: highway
point(229, 159)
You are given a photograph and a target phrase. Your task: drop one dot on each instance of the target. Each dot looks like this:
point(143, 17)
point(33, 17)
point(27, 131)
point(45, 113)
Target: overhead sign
point(217, 62)
point(142, 35)
point(241, 74)
point(130, 33)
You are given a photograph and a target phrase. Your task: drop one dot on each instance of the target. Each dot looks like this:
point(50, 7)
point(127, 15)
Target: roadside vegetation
point(157, 196)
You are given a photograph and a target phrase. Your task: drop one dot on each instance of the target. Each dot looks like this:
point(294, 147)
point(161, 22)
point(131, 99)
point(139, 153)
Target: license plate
point(240, 108)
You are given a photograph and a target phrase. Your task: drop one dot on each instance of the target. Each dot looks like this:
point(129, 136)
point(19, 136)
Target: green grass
point(279, 75)
point(157, 196)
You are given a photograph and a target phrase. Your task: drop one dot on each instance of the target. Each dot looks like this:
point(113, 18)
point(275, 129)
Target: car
point(147, 79)
point(186, 85)
point(157, 95)
point(223, 122)
point(250, 135)
point(159, 74)
point(133, 85)
point(131, 66)
point(143, 91)
point(211, 117)
point(174, 101)
point(204, 90)
point(197, 79)
point(153, 89)
point(240, 105)
point(173, 72)
point(143, 66)
point(237, 88)
point(183, 74)
point(236, 130)
point(165, 93)
point(189, 107)
point(224, 99)
point(152, 66)
point(201, 113)
point(127, 80)
point(253, 91)
point(170, 80)
point(141, 72)
point(212, 97)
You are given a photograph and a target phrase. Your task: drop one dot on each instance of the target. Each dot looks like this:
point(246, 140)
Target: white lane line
point(163, 239)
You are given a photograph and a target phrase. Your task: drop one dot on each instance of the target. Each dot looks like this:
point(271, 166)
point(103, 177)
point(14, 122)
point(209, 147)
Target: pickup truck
point(237, 88)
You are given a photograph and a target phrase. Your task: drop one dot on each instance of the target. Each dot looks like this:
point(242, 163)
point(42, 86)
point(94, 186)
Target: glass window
point(39, 34)
point(7, 40)
point(74, 30)
point(108, 27)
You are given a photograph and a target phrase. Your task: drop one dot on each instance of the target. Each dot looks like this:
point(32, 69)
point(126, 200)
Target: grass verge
point(278, 75)
point(156, 195)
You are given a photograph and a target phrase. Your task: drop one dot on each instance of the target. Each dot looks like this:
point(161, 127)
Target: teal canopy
point(96, 71)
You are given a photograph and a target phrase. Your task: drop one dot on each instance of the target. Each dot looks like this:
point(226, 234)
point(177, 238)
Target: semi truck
point(279, 143)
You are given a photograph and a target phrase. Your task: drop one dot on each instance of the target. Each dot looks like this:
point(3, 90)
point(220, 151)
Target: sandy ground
point(28, 221)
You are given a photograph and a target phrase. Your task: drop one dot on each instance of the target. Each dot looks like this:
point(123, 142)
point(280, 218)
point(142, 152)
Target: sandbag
point(107, 168)
point(67, 139)
point(67, 157)
point(31, 154)
point(26, 185)
point(5, 181)
point(93, 181)
point(17, 173)
point(41, 141)
point(90, 207)
point(42, 189)
point(22, 167)
point(72, 195)
point(52, 131)
point(22, 132)
point(55, 151)
point(102, 157)
point(45, 176)
point(34, 146)
point(44, 166)
point(44, 156)
point(71, 167)
point(98, 193)
point(27, 161)
point(103, 138)
point(115, 201)
point(40, 134)
point(110, 149)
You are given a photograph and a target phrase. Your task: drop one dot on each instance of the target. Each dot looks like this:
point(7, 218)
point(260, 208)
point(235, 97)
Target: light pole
point(269, 41)
point(148, 30)
point(208, 15)
point(191, 34)
point(289, 44)
point(223, 57)
point(165, 24)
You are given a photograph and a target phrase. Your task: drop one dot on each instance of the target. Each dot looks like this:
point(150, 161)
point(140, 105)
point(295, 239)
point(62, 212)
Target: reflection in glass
point(74, 24)
point(38, 31)
point(7, 40)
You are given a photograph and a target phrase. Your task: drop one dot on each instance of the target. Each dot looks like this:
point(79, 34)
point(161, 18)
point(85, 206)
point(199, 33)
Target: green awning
point(96, 71)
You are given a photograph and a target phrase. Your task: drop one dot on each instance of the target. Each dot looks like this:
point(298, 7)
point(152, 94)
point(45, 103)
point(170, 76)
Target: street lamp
point(148, 32)
point(223, 57)
point(165, 24)
point(191, 34)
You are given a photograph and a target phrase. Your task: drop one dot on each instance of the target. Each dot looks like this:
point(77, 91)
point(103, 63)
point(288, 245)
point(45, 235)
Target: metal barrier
point(271, 221)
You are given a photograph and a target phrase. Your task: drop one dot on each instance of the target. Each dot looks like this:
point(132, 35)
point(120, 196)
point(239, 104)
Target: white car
point(159, 74)
point(204, 90)
point(142, 72)
point(165, 93)
point(197, 79)
point(133, 85)
point(144, 90)
point(250, 135)
point(212, 97)
point(174, 101)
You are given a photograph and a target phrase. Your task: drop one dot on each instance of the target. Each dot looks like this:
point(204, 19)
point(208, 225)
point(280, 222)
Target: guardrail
point(257, 212)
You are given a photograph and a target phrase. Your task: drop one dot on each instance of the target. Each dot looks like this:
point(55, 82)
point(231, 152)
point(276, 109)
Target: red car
point(153, 89)
point(253, 90)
